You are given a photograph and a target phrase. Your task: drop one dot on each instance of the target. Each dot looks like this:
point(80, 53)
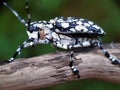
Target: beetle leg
point(106, 53)
point(27, 43)
point(73, 68)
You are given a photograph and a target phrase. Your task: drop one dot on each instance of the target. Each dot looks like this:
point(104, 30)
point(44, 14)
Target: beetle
point(66, 33)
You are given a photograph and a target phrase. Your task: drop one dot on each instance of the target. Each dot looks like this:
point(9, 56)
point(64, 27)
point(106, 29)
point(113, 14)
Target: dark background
point(106, 13)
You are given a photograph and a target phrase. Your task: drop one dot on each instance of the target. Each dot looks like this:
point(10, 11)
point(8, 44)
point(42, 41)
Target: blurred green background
point(106, 13)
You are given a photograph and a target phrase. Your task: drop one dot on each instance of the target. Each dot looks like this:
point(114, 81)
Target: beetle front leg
point(27, 43)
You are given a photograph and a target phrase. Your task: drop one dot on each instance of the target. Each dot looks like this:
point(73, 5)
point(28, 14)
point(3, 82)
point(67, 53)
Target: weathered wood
point(52, 69)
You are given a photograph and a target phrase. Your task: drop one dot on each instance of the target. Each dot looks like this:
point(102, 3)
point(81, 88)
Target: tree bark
point(51, 69)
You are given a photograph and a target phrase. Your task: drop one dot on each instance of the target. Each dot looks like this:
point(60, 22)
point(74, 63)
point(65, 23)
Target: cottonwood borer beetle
point(65, 33)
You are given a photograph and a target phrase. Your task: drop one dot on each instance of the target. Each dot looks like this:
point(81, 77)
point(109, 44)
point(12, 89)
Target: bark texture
point(51, 69)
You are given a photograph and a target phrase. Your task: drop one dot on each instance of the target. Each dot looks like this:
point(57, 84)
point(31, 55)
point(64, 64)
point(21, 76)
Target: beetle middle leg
point(73, 68)
point(68, 46)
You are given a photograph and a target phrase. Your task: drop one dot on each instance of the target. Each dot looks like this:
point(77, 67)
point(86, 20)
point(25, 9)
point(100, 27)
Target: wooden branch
point(52, 69)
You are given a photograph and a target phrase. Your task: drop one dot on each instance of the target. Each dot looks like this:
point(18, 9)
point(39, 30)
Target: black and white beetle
point(65, 33)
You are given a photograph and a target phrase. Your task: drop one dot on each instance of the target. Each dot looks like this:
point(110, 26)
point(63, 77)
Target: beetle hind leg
point(73, 68)
point(109, 56)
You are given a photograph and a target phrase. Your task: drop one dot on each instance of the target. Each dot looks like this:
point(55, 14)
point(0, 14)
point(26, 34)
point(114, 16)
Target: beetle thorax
point(39, 31)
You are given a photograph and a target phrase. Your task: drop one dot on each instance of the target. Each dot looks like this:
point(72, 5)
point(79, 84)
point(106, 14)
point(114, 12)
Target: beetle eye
point(33, 28)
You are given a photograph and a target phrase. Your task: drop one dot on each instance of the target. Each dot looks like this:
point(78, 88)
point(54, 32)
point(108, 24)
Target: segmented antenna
point(15, 13)
point(28, 14)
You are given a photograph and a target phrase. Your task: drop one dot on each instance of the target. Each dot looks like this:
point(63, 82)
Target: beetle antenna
point(28, 14)
point(15, 13)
